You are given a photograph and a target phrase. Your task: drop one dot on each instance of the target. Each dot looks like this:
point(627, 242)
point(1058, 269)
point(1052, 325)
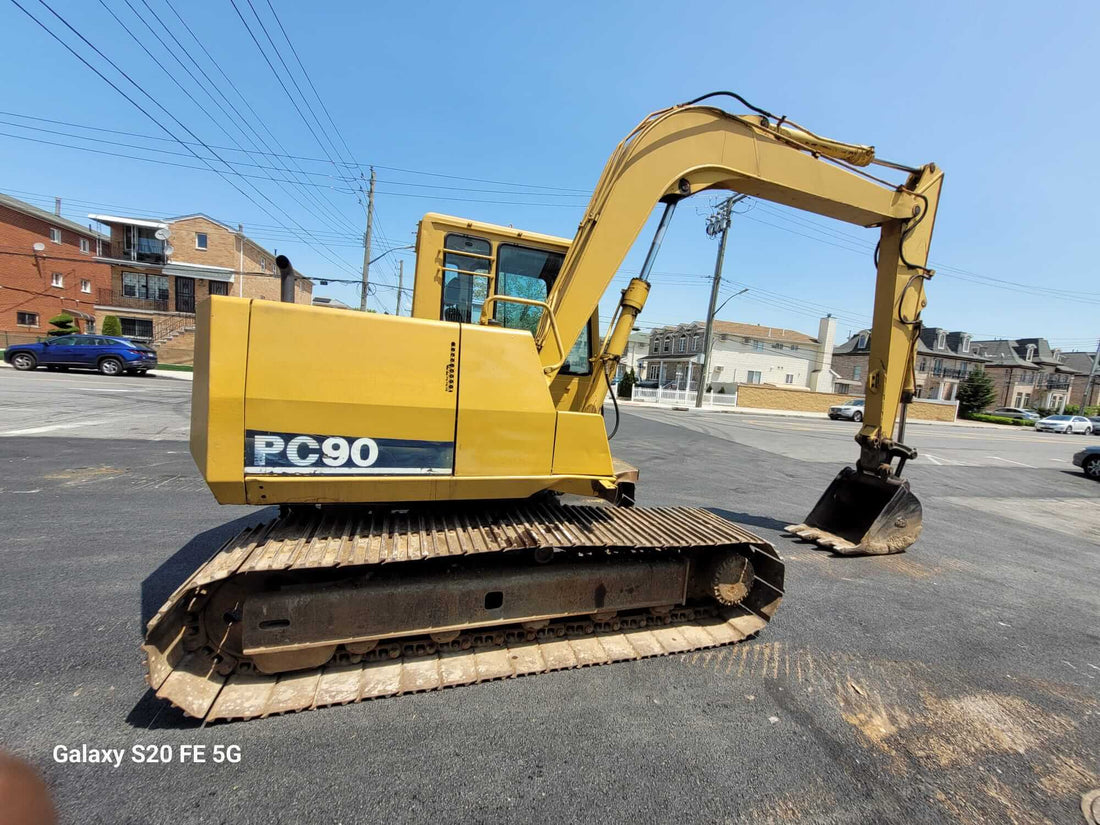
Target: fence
point(683, 397)
point(8, 339)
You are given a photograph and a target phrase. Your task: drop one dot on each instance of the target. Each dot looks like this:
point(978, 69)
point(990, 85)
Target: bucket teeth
point(822, 538)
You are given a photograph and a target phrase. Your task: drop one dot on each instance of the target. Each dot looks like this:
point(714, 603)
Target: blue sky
point(522, 102)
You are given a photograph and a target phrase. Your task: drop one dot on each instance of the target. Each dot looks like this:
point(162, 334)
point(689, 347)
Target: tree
point(626, 385)
point(65, 325)
point(112, 326)
point(976, 392)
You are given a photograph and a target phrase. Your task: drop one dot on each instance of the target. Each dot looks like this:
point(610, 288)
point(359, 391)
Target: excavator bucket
point(861, 514)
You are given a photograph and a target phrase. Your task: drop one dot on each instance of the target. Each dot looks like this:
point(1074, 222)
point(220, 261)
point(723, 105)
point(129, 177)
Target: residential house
point(328, 301)
point(160, 269)
point(944, 359)
point(1085, 389)
point(741, 353)
point(637, 346)
point(1028, 372)
point(48, 266)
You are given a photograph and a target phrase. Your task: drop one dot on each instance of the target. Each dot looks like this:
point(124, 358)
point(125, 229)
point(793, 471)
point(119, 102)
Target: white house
point(637, 346)
point(742, 354)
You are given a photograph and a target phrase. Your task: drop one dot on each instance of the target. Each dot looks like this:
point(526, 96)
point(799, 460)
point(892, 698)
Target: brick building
point(47, 265)
point(160, 269)
point(1028, 372)
point(1085, 389)
point(944, 359)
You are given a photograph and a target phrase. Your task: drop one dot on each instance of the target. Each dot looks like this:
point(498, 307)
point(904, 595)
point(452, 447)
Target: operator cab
point(460, 263)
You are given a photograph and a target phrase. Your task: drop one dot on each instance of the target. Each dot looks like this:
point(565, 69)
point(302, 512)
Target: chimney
point(57, 207)
point(821, 379)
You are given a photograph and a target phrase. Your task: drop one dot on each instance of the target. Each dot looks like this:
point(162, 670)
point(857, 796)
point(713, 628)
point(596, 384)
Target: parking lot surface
point(958, 682)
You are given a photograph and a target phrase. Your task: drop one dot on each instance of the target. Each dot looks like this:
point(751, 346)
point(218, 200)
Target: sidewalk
point(179, 375)
point(799, 414)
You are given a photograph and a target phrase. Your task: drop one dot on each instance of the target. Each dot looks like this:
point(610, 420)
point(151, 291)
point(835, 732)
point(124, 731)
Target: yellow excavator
point(418, 462)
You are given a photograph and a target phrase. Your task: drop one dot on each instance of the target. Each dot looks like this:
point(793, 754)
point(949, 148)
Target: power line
point(144, 111)
point(286, 155)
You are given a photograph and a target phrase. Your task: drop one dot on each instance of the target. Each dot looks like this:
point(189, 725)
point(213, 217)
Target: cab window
point(466, 262)
point(523, 272)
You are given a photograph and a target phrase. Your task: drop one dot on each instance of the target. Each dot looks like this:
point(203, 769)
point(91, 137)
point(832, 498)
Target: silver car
point(1064, 424)
point(852, 410)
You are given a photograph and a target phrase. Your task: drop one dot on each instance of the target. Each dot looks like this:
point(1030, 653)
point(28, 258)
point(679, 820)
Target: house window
point(794, 347)
point(857, 372)
point(941, 340)
point(136, 327)
point(656, 345)
point(667, 345)
point(85, 285)
point(777, 346)
point(151, 287)
point(681, 345)
point(757, 346)
point(26, 319)
point(85, 245)
point(746, 340)
point(965, 345)
point(862, 343)
point(923, 365)
point(263, 264)
point(57, 279)
point(219, 288)
point(653, 372)
point(200, 240)
point(55, 234)
point(1027, 399)
point(754, 377)
point(1019, 399)
point(695, 343)
point(789, 379)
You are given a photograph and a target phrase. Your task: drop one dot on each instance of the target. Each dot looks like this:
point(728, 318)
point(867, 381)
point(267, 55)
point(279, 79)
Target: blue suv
point(111, 356)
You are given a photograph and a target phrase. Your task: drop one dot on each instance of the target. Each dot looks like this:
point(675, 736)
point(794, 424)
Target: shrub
point(65, 325)
point(112, 326)
point(626, 385)
point(999, 419)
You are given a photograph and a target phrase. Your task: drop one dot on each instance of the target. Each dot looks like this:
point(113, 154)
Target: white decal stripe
point(347, 471)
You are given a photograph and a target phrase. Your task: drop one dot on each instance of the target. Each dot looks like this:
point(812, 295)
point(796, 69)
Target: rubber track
point(189, 678)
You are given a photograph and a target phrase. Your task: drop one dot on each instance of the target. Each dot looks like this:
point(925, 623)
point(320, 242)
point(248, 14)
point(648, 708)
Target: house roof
point(926, 345)
point(1079, 361)
point(205, 217)
point(49, 217)
point(122, 219)
point(1007, 352)
point(744, 330)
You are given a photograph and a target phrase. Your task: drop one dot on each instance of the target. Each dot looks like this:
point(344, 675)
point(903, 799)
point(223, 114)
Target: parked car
point(1089, 461)
point(1016, 412)
point(852, 410)
point(111, 356)
point(1064, 424)
point(646, 385)
point(1095, 421)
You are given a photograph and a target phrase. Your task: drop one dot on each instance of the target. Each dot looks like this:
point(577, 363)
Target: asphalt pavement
point(958, 682)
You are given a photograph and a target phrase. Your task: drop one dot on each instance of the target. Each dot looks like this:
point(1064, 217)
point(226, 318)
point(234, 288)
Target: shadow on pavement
point(162, 582)
point(748, 519)
point(151, 712)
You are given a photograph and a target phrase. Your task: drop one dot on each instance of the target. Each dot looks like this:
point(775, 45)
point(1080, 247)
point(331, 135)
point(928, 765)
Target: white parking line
point(1059, 459)
point(1010, 461)
point(939, 459)
point(49, 428)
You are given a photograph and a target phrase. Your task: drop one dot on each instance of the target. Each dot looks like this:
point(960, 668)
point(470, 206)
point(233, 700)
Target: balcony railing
point(949, 372)
point(1056, 382)
point(109, 297)
point(145, 253)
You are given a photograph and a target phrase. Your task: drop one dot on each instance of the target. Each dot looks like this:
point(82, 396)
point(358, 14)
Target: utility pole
point(400, 282)
point(717, 224)
point(1092, 377)
point(366, 244)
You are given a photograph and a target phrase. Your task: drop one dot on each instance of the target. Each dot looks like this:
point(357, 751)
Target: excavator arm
point(681, 151)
